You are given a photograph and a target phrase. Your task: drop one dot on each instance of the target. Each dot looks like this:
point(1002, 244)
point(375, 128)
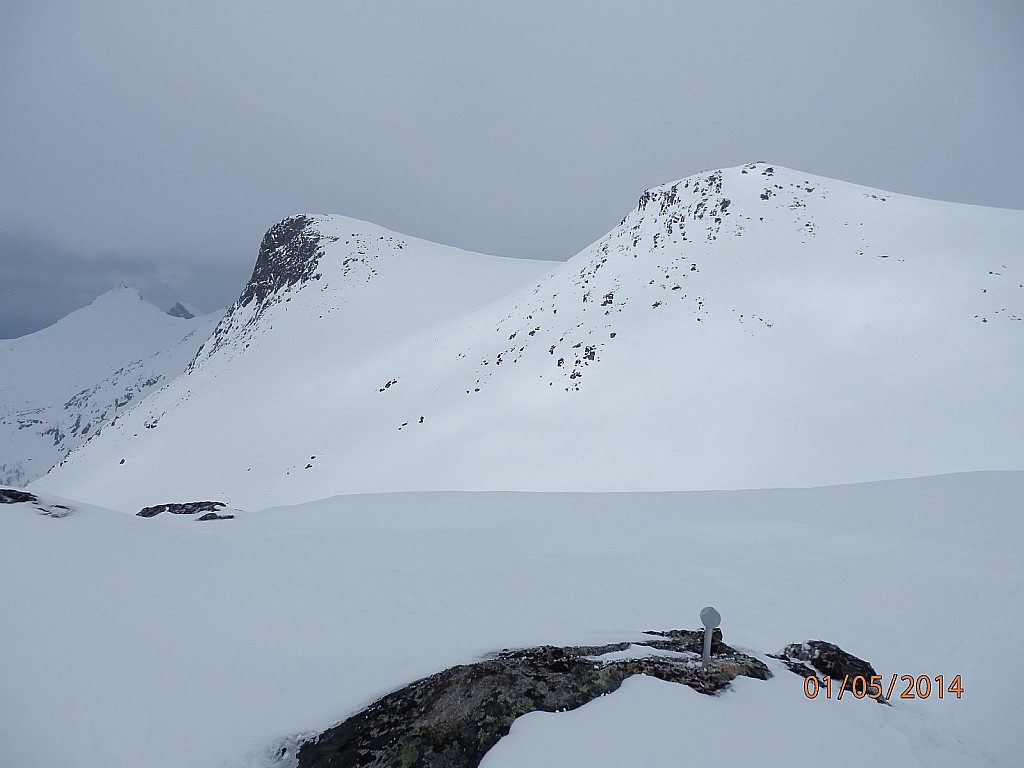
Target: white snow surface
point(521, 447)
point(750, 327)
point(165, 642)
point(650, 722)
point(60, 385)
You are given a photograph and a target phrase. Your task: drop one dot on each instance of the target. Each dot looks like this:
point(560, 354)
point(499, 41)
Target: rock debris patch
point(14, 496)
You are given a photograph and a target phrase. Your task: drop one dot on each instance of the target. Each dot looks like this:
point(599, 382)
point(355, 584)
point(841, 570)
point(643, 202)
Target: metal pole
point(710, 618)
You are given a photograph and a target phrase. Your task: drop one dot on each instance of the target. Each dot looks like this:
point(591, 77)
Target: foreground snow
point(166, 642)
point(650, 722)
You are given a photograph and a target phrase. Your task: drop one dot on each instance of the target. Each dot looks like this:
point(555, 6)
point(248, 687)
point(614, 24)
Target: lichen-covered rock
point(185, 508)
point(451, 719)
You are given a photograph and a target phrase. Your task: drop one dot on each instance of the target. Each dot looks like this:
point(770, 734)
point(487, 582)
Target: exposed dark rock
point(817, 657)
point(14, 496)
point(214, 516)
point(451, 719)
point(178, 310)
point(289, 254)
point(186, 508)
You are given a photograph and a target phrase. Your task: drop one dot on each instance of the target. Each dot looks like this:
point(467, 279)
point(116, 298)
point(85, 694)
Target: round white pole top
point(710, 617)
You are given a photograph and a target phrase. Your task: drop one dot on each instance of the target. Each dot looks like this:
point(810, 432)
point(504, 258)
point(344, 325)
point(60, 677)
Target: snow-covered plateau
point(792, 398)
point(167, 642)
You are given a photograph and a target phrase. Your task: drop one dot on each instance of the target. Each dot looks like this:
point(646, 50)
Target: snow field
point(166, 642)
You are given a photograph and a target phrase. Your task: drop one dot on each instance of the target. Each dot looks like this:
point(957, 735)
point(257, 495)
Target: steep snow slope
point(328, 294)
point(755, 326)
point(58, 386)
point(166, 642)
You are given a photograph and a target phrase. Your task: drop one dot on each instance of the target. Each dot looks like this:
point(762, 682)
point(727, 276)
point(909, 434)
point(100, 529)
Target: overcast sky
point(153, 143)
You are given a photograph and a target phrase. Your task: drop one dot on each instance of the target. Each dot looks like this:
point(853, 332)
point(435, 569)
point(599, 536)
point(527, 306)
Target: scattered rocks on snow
point(451, 719)
point(14, 496)
point(54, 510)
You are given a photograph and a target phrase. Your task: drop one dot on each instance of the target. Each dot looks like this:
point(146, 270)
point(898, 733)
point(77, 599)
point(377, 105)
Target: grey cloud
point(525, 129)
point(41, 282)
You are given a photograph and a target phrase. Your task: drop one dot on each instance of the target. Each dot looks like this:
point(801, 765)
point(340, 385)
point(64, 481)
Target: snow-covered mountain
point(60, 385)
point(754, 326)
point(751, 326)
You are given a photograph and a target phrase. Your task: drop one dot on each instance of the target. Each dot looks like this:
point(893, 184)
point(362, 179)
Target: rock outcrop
point(180, 310)
point(451, 719)
point(823, 659)
point(289, 254)
point(186, 508)
point(14, 496)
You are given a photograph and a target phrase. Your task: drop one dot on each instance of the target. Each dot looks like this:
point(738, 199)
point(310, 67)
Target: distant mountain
point(180, 310)
point(754, 326)
point(61, 384)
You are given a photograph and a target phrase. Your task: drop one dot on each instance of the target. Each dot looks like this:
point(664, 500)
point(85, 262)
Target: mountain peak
point(180, 310)
point(121, 293)
point(289, 254)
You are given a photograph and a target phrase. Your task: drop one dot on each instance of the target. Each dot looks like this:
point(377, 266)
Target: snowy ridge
point(655, 258)
point(327, 262)
point(747, 327)
point(61, 384)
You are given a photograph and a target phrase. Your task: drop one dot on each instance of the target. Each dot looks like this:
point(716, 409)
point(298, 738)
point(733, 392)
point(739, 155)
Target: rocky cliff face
point(291, 258)
point(288, 256)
